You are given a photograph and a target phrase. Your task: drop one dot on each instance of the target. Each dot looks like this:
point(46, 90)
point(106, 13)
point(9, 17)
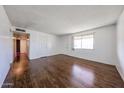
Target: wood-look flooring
point(62, 71)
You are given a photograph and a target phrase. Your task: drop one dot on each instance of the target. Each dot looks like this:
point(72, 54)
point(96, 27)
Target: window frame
point(93, 33)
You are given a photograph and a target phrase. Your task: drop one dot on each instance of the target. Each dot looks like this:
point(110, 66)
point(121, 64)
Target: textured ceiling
point(62, 19)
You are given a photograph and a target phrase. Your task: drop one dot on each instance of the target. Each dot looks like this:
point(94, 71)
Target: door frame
point(27, 44)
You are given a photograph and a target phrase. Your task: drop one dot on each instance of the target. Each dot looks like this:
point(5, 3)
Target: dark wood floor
point(61, 71)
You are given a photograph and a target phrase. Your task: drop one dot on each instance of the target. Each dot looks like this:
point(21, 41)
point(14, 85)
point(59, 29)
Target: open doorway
point(21, 45)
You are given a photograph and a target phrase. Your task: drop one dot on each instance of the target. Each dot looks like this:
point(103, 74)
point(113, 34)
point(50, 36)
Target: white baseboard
point(120, 72)
point(91, 59)
point(4, 76)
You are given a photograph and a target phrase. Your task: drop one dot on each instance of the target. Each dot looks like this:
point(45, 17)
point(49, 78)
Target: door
point(18, 48)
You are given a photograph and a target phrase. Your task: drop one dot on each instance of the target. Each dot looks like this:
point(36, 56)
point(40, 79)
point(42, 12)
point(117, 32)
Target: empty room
point(62, 46)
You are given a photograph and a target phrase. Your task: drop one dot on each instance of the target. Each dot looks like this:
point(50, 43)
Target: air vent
point(20, 30)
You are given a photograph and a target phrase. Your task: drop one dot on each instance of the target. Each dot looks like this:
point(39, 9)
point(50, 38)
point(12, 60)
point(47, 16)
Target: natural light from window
point(84, 41)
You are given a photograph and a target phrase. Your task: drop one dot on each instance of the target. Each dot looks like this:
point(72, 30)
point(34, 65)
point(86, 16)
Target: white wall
point(120, 45)
point(5, 45)
point(42, 44)
point(104, 46)
point(23, 46)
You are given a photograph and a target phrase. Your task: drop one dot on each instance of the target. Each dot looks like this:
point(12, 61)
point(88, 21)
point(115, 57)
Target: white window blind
point(83, 41)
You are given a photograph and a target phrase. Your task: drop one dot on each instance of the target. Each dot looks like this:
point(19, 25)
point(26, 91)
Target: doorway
point(17, 48)
point(21, 45)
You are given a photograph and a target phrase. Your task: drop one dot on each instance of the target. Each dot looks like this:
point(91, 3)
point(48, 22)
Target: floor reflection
point(83, 74)
point(61, 71)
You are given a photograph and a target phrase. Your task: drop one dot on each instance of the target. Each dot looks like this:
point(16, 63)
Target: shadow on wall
point(120, 45)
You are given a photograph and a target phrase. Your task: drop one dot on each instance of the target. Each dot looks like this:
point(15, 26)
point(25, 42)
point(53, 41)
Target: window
point(83, 41)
